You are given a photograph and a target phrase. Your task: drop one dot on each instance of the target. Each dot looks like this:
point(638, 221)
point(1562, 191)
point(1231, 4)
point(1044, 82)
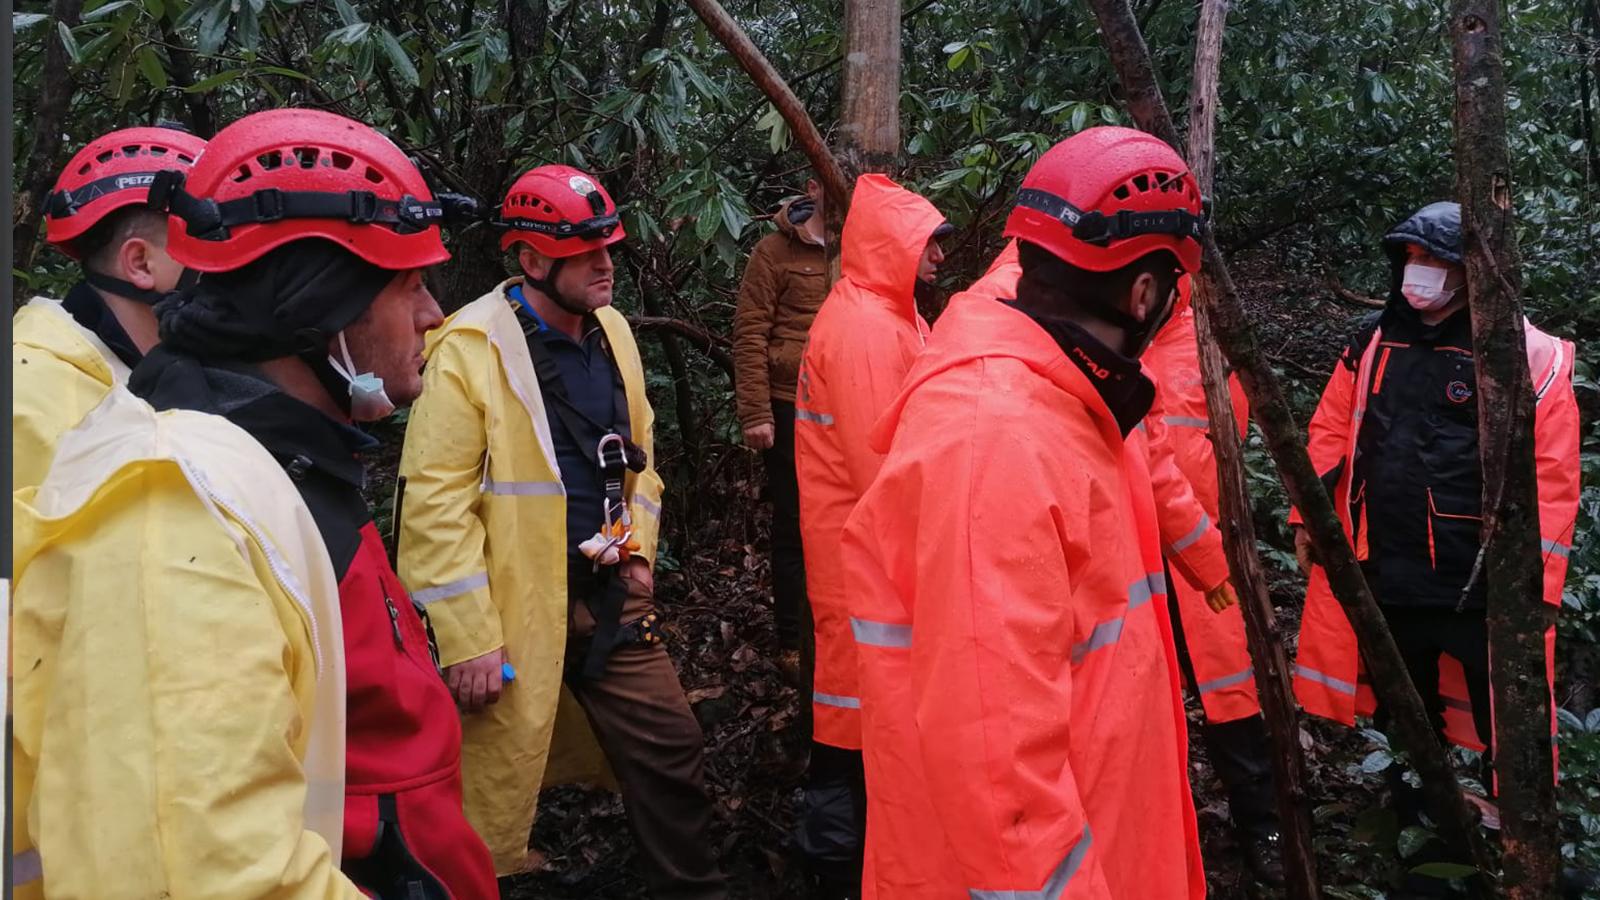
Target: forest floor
point(714, 591)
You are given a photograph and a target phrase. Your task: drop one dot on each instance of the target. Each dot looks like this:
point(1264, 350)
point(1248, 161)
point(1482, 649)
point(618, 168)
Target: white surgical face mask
point(1423, 287)
point(368, 400)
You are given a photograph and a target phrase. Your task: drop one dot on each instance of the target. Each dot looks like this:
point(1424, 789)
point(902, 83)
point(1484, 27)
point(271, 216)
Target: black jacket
point(1417, 483)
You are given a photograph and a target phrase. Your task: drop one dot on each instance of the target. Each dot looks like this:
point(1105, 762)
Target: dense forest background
point(1335, 121)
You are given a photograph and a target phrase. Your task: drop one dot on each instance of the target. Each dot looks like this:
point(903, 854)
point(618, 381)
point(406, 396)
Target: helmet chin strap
point(113, 285)
point(547, 286)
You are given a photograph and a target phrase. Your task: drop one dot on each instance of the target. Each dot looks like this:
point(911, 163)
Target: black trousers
point(788, 560)
point(1237, 750)
point(1422, 634)
point(832, 829)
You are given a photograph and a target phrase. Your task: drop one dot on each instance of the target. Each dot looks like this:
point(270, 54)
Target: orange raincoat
point(1183, 475)
point(1329, 678)
point(1022, 723)
point(862, 344)
point(1224, 675)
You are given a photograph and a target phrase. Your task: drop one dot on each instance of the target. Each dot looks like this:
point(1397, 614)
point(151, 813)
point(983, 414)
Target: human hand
point(637, 569)
point(1221, 597)
point(760, 437)
point(1304, 553)
point(475, 683)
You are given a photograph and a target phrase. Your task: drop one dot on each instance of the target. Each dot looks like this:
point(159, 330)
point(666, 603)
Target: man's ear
point(1143, 299)
point(534, 264)
point(133, 262)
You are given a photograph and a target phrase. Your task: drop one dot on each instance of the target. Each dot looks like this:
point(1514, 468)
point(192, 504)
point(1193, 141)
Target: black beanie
point(290, 301)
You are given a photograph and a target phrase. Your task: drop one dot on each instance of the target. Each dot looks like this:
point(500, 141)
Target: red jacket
point(862, 344)
point(1022, 724)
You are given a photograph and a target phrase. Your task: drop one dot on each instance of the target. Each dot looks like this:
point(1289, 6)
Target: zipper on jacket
point(394, 621)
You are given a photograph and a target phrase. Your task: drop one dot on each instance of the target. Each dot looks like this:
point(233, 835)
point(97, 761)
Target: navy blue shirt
point(590, 380)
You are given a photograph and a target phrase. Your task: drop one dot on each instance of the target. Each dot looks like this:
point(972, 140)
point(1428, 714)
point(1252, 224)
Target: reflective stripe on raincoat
point(862, 344)
point(1022, 723)
point(59, 371)
point(1224, 676)
point(179, 672)
point(483, 546)
point(1328, 679)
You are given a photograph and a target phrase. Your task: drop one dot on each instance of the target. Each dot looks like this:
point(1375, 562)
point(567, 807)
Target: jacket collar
point(89, 309)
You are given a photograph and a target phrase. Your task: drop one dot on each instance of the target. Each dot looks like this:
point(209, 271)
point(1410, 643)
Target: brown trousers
point(654, 745)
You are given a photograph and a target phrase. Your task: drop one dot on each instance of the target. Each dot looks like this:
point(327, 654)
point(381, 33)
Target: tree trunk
point(755, 64)
point(1131, 58)
point(1267, 655)
point(869, 133)
point(1518, 616)
point(49, 118)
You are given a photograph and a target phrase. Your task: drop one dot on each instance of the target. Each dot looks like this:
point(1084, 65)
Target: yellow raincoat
point(59, 371)
point(179, 669)
point(483, 545)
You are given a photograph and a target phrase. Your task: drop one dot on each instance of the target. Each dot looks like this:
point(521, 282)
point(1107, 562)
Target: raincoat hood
point(1435, 228)
point(984, 328)
point(885, 232)
point(786, 227)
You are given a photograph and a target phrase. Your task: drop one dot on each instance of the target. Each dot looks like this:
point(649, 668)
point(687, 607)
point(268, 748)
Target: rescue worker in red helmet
point(1021, 717)
point(66, 354)
point(1207, 625)
point(261, 695)
point(861, 346)
point(1395, 437)
point(531, 510)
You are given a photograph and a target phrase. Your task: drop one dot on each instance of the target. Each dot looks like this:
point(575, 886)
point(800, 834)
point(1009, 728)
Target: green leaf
point(155, 9)
point(953, 46)
point(653, 57)
point(347, 13)
point(350, 35)
point(1592, 723)
point(280, 70)
point(1412, 839)
point(1445, 870)
point(217, 80)
point(106, 11)
point(21, 22)
point(1080, 117)
point(1376, 762)
point(733, 219)
point(958, 59)
point(248, 28)
point(1571, 720)
point(705, 224)
point(151, 67)
point(398, 58)
point(213, 28)
point(69, 42)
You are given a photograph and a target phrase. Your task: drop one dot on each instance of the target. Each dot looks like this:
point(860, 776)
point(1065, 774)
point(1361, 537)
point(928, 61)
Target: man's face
point(1420, 256)
point(387, 339)
point(587, 279)
point(928, 265)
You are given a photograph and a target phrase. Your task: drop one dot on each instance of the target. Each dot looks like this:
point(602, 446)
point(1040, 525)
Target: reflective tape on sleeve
point(880, 634)
point(456, 588)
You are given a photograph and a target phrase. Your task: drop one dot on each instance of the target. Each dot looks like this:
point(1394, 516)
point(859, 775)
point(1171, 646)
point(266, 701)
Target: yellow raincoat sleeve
point(441, 542)
point(165, 723)
point(646, 488)
point(49, 397)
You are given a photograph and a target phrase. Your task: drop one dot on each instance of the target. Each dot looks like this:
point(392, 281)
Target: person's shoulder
point(1360, 337)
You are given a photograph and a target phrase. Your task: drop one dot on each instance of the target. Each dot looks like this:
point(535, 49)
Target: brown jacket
point(784, 284)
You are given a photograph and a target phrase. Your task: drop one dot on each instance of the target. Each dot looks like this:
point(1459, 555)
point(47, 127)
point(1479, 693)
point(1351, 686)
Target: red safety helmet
point(1107, 196)
point(112, 172)
point(289, 174)
point(560, 212)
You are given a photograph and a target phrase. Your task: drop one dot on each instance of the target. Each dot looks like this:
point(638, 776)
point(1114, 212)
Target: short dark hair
point(1050, 278)
point(97, 247)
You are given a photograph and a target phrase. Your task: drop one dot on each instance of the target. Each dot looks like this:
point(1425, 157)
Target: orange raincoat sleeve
point(1557, 461)
point(990, 647)
point(1190, 540)
point(873, 376)
point(1329, 431)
